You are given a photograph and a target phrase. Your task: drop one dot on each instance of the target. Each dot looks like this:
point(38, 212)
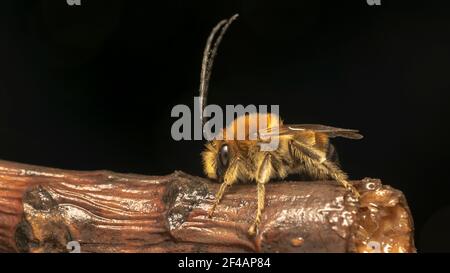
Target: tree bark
point(49, 210)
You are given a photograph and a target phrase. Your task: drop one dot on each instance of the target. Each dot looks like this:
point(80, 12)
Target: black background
point(92, 87)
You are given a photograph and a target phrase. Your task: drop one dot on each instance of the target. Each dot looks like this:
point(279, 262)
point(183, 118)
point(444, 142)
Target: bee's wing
point(294, 129)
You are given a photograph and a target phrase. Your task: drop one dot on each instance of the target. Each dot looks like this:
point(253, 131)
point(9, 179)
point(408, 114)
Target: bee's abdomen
point(332, 154)
point(303, 162)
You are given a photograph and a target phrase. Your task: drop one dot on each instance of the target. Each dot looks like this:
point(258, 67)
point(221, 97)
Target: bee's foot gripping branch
point(48, 210)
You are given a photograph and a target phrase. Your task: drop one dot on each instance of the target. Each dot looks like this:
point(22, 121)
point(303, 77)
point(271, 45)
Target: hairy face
point(236, 157)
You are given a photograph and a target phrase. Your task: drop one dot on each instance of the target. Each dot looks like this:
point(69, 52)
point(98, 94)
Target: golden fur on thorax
point(246, 150)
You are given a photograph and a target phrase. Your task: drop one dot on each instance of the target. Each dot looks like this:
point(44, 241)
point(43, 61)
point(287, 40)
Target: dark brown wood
point(43, 209)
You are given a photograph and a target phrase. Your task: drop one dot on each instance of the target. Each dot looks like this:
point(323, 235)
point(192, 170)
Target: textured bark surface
point(43, 209)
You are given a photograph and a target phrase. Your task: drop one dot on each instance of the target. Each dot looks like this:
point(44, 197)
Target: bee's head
point(216, 158)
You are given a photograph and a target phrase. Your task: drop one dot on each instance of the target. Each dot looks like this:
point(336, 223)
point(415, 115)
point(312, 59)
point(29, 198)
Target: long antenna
point(208, 60)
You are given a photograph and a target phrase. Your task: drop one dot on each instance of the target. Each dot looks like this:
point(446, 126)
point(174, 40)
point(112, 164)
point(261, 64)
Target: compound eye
point(224, 155)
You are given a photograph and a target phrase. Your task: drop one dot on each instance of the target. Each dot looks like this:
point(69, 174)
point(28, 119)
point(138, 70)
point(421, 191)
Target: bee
point(302, 148)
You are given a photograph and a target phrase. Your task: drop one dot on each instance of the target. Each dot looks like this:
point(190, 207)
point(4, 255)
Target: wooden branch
point(43, 209)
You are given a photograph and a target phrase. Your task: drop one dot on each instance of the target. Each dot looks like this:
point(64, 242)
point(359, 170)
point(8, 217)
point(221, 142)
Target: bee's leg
point(337, 174)
point(219, 196)
point(229, 178)
point(261, 196)
point(317, 161)
point(263, 176)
